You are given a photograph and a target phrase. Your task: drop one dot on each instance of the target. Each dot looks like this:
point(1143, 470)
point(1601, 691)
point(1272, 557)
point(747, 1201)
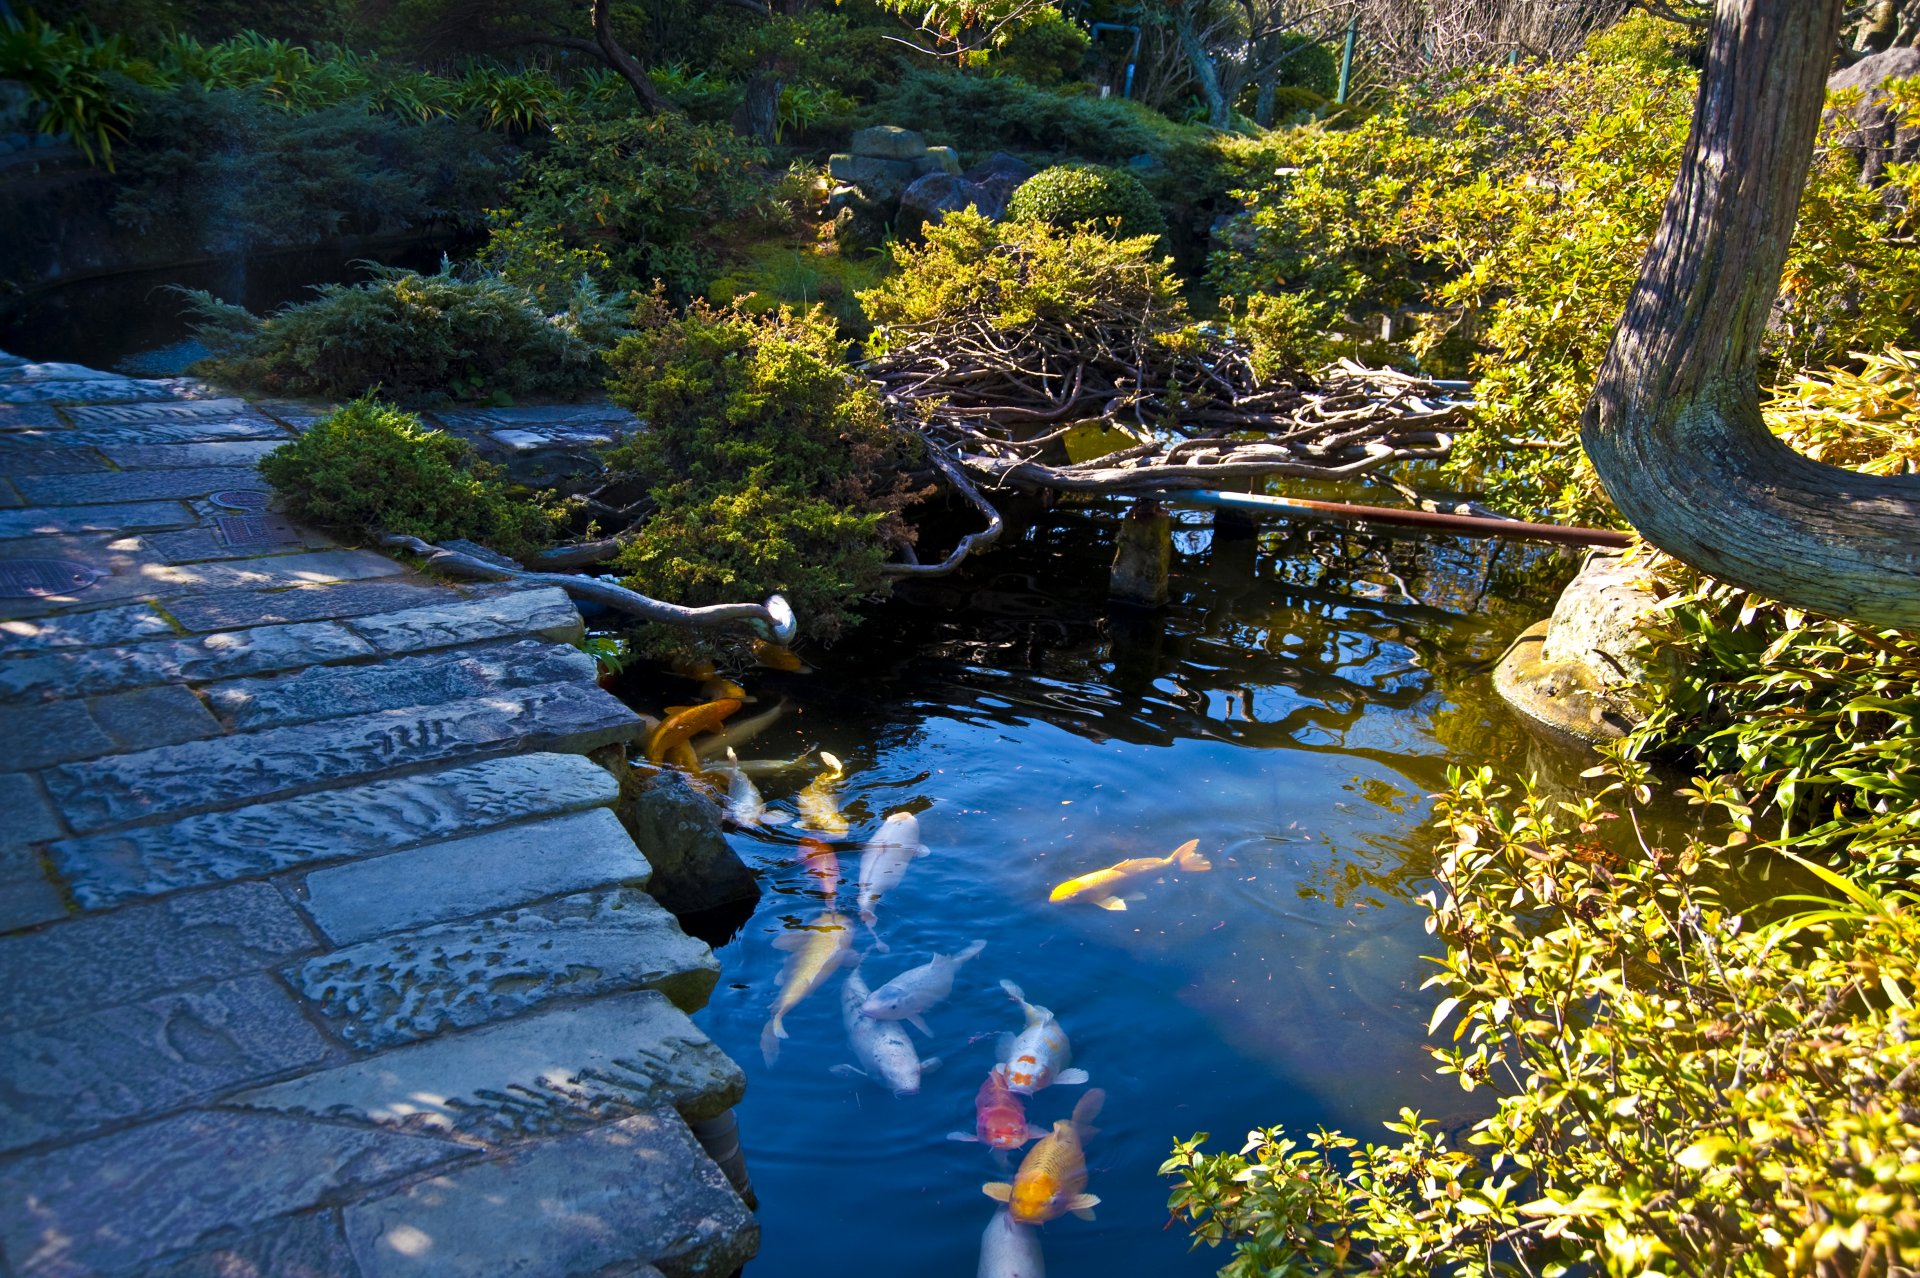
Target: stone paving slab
point(537, 416)
point(223, 655)
point(546, 611)
point(29, 416)
point(98, 390)
point(254, 766)
point(80, 965)
point(550, 1072)
point(27, 897)
point(231, 609)
point(137, 516)
point(133, 576)
point(384, 816)
point(41, 734)
point(602, 1200)
point(154, 717)
point(140, 1059)
point(233, 537)
point(413, 985)
point(30, 453)
point(459, 878)
point(115, 1204)
point(10, 498)
point(311, 1245)
point(322, 692)
point(83, 629)
point(228, 432)
point(138, 485)
point(174, 410)
point(165, 455)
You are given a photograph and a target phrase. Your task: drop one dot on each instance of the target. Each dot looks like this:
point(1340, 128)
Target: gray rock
point(878, 179)
point(151, 485)
point(103, 960)
point(83, 629)
point(178, 410)
point(693, 866)
point(941, 159)
point(160, 456)
point(100, 390)
point(29, 416)
point(931, 198)
point(83, 1072)
point(254, 766)
point(414, 985)
point(458, 878)
point(312, 1245)
point(605, 1200)
point(228, 654)
point(154, 717)
point(1574, 672)
point(138, 516)
point(1882, 137)
point(118, 1203)
point(546, 612)
point(887, 142)
point(229, 609)
point(553, 1071)
point(323, 692)
point(1001, 174)
point(362, 820)
point(54, 732)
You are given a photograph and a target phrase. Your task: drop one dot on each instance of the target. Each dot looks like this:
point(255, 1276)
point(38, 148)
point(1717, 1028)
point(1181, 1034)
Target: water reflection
point(1291, 710)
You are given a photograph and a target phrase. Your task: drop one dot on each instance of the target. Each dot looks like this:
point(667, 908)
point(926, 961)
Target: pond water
point(1291, 710)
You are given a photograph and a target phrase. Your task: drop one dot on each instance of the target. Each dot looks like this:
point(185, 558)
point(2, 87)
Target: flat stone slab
point(104, 960)
point(175, 410)
point(116, 1204)
point(546, 612)
point(136, 516)
point(458, 878)
point(254, 766)
point(605, 1200)
point(362, 820)
point(84, 1072)
point(553, 417)
point(151, 485)
point(413, 985)
point(544, 1074)
point(231, 609)
point(152, 717)
point(311, 1245)
point(163, 454)
point(94, 390)
point(233, 537)
point(83, 629)
point(225, 654)
point(136, 576)
point(29, 416)
point(41, 734)
point(322, 692)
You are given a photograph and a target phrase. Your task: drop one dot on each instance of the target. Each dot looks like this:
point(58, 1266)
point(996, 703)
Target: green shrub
point(418, 338)
point(1046, 52)
point(648, 191)
point(370, 468)
point(1068, 195)
point(1648, 40)
point(785, 274)
point(75, 77)
point(772, 467)
point(1293, 104)
point(1308, 65)
point(980, 114)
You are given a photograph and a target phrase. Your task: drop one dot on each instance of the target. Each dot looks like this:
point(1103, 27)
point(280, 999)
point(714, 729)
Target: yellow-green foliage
point(1867, 420)
point(788, 274)
point(772, 467)
point(1648, 40)
point(1512, 211)
point(1110, 200)
point(369, 468)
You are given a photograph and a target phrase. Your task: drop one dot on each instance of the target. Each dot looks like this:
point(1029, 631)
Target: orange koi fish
point(999, 1117)
point(778, 657)
point(1052, 1179)
point(1097, 885)
point(679, 727)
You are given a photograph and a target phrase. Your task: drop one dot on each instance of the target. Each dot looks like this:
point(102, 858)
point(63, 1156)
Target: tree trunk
point(1674, 426)
point(759, 116)
point(623, 62)
point(1219, 114)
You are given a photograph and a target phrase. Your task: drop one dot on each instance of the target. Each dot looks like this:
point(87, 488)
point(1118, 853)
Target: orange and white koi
point(1052, 1179)
point(1098, 885)
point(814, 952)
point(1038, 1055)
point(822, 862)
point(679, 727)
point(999, 1116)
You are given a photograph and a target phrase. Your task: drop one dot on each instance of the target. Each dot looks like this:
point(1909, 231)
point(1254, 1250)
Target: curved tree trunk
point(1674, 426)
point(1219, 110)
point(623, 62)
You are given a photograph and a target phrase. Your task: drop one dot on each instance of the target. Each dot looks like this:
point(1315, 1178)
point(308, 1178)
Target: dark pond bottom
point(1292, 710)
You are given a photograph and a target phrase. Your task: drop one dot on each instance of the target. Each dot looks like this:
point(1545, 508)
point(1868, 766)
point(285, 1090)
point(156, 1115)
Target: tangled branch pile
point(1024, 350)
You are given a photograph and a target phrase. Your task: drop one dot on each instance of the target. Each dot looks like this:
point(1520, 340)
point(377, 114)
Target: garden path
point(322, 949)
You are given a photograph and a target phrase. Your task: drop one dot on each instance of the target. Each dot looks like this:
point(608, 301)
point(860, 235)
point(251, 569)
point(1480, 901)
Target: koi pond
point(1290, 711)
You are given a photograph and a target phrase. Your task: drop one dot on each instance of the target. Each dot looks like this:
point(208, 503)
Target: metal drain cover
point(25, 578)
point(242, 499)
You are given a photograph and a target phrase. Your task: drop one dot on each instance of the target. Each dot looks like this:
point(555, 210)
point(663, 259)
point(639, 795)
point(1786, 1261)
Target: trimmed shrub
point(1069, 195)
point(1047, 51)
point(981, 114)
point(370, 468)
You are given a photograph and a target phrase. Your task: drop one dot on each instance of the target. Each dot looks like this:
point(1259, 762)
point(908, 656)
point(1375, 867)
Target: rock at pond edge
point(678, 830)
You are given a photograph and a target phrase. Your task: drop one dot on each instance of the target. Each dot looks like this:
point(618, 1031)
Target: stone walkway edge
point(324, 947)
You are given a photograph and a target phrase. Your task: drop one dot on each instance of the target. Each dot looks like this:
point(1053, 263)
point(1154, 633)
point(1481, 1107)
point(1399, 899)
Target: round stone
point(23, 578)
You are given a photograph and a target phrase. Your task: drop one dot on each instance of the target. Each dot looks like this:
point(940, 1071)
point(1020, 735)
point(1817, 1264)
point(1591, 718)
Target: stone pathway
point(322, 948)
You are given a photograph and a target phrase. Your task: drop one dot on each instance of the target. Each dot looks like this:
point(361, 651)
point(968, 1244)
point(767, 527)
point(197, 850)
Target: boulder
point(878, 179)
point(888, 142)
point(1001, 173)
point(1574, 672)
point(678, 829)
point(934, 196)
point(1881, 139)
point(940, 159)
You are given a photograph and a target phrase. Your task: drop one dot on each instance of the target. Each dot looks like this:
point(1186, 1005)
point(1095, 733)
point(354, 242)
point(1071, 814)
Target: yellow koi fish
point(1097, 885)
point(819, 810)
point(1052, 1179)
point(776, 656)
point(813, 954)
point(739, 732)
point(678, 728)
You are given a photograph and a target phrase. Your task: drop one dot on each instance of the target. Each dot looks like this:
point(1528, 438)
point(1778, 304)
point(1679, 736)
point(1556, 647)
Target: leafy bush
point(979, 114)
point(418, 338)
point(784, 274)
point(74, 77)
point(1646, 39)
point(771, 466)
point(370, 468)
point(1046, 52)
point(1308, 65)
point(1293, 104)
point(1510, 212)
point(1068, 195)
point(645, 190)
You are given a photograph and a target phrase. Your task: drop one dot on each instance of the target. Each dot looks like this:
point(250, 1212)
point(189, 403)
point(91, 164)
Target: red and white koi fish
point(999, 1117)
point(1052, 1179)
point(1038, 1055)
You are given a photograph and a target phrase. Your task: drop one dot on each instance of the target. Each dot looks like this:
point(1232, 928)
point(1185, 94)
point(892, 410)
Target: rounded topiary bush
point(1068, 195)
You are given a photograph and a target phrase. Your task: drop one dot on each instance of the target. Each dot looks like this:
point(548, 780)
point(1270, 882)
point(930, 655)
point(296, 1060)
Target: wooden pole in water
point(1142, 556)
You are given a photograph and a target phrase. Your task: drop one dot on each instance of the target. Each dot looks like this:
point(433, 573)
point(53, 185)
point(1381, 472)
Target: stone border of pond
point(322, 946)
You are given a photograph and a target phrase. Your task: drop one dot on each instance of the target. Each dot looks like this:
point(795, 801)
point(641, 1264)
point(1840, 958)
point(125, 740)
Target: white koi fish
point(884, 863)
point(734, 734)
point(745, 807)
point(914, 991)
point(813, 953)
point(1010, 1250)
point(883, 1047)
point(1038, 1055)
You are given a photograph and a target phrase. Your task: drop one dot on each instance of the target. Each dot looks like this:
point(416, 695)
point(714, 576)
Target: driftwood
point(773, 620)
